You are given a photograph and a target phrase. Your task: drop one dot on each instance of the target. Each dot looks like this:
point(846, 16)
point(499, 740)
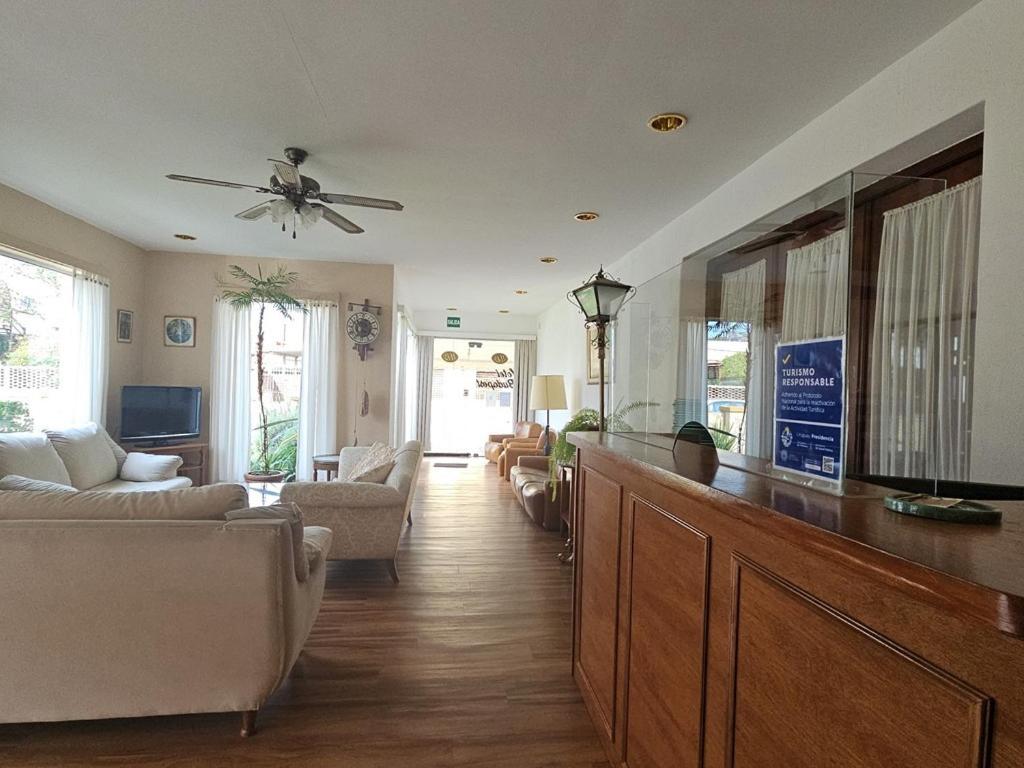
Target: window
point(282, 382)
point(34, 303)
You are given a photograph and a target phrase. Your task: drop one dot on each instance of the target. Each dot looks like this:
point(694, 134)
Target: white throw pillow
point(86, 454)
point(19, 483)
point(375, 465)
point(148, 467)
point(33, 456)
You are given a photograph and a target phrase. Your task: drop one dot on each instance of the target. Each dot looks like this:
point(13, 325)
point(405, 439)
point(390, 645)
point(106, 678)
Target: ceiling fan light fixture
point(586, 216)
point(666, 122)
point(182, 236)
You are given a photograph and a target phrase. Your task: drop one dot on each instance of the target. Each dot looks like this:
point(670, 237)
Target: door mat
point(451, 464)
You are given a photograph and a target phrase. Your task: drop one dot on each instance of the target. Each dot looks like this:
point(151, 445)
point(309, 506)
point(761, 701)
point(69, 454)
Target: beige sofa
point(85, 458)
point(367, 519)
point(152, 603)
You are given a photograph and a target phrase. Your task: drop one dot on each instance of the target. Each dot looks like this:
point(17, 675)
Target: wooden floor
point(465, 663)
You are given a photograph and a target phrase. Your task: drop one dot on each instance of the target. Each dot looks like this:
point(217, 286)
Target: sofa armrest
point(335, 494)
point(497, 438)
point(515, 452)
point(535, 462)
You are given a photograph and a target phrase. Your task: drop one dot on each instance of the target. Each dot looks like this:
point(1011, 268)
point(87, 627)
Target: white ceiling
point(494, 121)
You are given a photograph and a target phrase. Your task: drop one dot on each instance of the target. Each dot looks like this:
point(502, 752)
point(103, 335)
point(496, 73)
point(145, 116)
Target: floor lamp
point(600, 300)
point(547, 393)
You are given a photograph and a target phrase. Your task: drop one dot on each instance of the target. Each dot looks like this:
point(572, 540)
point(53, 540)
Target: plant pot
point(265, 477)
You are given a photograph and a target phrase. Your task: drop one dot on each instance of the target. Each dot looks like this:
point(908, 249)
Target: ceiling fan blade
point(256, 212)
point(365, 202)
point(286, 173)
point(214, 182)
point(338, 220)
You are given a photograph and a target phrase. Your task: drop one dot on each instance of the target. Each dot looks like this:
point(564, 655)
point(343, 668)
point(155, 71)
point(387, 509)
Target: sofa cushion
point(19, 483)
point(133, 486)
point(31, 455)
point(293, 515)
point(374, 466)
point(210, 502)
point(86, 454)
point(147, 467)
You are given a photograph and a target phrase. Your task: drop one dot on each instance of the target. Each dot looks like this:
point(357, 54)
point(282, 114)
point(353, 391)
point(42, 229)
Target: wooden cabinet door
point(665, 667)
point(812, 687)
point(598, 539)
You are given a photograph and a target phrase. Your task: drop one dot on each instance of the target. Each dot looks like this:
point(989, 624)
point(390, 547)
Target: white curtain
point(230, 415)
point(743, 302)
point(424, 387)
point(815, 297)
point(318, 389)
point(693, 374)
point(525, 365)
point(923, 337)
point(398, 388)
point(86, 358)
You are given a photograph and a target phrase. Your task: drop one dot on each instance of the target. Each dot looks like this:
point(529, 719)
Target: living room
point(530, 384)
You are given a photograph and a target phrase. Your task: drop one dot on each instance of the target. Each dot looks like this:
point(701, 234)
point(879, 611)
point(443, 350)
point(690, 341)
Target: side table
point(327, 463)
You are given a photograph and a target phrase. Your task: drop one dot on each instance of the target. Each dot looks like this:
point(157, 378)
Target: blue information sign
point(809, 407)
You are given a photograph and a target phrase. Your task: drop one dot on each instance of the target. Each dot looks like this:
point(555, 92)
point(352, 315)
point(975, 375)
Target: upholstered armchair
point(515, 449)
point(496, 444)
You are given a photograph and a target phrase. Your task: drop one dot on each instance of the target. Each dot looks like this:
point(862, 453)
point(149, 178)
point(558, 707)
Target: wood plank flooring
point(465, 663)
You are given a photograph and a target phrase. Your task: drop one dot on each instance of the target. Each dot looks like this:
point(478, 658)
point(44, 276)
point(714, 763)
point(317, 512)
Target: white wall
point(562, 348)
point(432, 321)
point(979, 58)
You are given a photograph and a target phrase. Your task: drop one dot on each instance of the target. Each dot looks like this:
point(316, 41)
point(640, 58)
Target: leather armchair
point(531, 483)
point(519, 448)
point(497, 443)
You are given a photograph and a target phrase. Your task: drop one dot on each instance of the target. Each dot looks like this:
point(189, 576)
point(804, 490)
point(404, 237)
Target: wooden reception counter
point(725, 618)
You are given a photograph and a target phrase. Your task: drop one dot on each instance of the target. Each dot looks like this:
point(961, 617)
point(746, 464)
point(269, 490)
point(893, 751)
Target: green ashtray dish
point(949, 510)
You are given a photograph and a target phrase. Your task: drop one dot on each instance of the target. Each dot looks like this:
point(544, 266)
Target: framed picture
point(593, 366)
point(179, 331)
point(125, 320)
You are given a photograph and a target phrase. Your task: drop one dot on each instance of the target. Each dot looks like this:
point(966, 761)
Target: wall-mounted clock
point(363, 326)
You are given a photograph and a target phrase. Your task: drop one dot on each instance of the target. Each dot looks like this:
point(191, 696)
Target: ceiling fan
point(295, 193)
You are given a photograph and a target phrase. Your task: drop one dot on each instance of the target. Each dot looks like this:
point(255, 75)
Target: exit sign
point(454, 322)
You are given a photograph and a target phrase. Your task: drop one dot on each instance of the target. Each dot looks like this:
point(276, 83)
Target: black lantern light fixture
point(600, 300)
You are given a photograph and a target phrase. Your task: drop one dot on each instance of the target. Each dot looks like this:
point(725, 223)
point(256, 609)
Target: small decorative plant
point(263, 292)
point(588, 420)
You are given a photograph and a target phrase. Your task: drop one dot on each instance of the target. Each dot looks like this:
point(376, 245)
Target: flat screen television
point(160, 414)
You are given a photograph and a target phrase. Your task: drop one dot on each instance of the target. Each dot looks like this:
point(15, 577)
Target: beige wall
point(186, 284)
point(33, 226)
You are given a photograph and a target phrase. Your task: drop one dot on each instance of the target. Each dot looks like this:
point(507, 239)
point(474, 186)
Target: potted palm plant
point(263, 292)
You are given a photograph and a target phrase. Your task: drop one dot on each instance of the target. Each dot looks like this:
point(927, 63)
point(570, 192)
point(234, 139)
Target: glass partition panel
point(833, 339)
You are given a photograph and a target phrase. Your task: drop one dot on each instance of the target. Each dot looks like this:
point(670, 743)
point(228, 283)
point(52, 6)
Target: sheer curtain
point(525, 364)
point(815, 298)
point(398, 390)
point(230, 427)
point(743, 302)
point(424, 387)
point(318, 389)
point(693, 374)
point(923, 337)
point(86, 358)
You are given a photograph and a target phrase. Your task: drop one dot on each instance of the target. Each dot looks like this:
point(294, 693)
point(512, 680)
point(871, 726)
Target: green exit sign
point(454, 322)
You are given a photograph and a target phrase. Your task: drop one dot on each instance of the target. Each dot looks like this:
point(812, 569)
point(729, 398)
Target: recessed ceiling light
point(666, 122)
point(502, 311)
point(586, 216)
point(185, 237)
point(520, 292)
point(548, 260)
point(451, 309)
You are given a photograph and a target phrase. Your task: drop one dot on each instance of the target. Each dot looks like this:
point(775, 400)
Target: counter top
point(987, 559)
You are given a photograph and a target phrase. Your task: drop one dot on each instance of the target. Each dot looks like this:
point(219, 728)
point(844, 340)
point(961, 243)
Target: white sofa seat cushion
point(87, 454)
point(31, 455)
point(147, 467)
point(19, 483)
point(133, 486)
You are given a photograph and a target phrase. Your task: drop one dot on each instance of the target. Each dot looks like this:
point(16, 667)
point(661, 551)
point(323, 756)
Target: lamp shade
point(601, 297)
point(547, 393)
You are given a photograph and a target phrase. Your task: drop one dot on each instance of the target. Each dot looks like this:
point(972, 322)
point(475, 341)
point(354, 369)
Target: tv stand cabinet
point(193, 456)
